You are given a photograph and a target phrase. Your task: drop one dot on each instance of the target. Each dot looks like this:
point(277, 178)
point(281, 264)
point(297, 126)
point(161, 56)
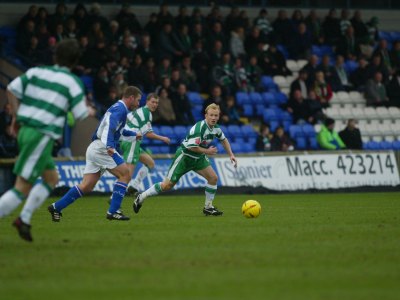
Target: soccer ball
point(251, 209)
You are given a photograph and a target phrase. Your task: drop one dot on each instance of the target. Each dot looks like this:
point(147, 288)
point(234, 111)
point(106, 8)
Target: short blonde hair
point(212, 106)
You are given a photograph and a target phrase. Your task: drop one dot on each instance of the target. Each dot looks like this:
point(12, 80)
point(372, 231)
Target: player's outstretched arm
point(208, 151)
point(153, 136)
point(227, 146)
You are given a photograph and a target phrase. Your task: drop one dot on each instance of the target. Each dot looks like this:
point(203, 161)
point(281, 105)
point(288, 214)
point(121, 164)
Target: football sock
point(117, 196)
point(155, 189)
point(73, 194)
point(36, 197)
point(210, 194)
point(10, 201)
point(142, 173)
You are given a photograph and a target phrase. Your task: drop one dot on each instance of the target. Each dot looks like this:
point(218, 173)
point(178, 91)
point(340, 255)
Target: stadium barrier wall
point(299, 171)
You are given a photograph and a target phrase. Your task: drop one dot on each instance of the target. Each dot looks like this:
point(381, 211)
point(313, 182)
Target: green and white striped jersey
point(139, 120)
point(200, 135)
point(46, 95)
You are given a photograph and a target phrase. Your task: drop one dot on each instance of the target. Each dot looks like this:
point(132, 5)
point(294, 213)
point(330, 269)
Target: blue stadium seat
point(269, 99)
point(394, 36)
point(281, 98)
point(248, 131)
point(255, 98)
point(239, 140)
point(385, 145)
point(286, 125)
point(248, 110)
point(301, 143)
point(234, 131)
point(284, 51)
point(220, 148)
point(164, 149)
point(326, 50)
point(312, 141)
point(267, 82)
point(252, 141)
point(154, 149)
point(248, 148)
point(168, 131)
point(371, 145)
point(225, 130)
point(269, 115)
point(273, 125)
point(285, 116)
point(396, 145)
point(384, 35)
point(350, 66)
point(316, 50)
point(237, 148)
point(242, 98)
point(87, 82)
point(295, 131)
point(180, 132)
point(308, 130)
point(259, 110)
point(195, 98)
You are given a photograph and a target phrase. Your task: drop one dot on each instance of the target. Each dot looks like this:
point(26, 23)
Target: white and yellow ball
point(251, 209)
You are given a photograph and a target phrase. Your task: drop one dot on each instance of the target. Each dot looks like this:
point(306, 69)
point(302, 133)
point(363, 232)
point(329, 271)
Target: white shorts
point(97, 158)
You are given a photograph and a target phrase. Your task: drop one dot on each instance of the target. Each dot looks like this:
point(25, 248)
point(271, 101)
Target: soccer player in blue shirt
point(102, 154)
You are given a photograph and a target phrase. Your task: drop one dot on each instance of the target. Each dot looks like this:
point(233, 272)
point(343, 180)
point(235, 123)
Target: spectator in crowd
point(351, 136)
point(188, 74)
point(253, 40)
point(359, 76)
point(110, 99)
point(322, 89)
point(34, 53)
point(127, 20)
point(175, 80)
point(101, 86)
point(150, 75)
point(281, 141)
point(49, 52)
point(300, 83)
point(383, 52)
point(314, 108)
point(232, 20)
point(146, 48)
point(237, 42)
point(8, 142)
point(217, 34)
point(262, 23)
point(340, 80)
point(197, 17)
point(136, 71)
point(24, 37)
point(216, 53)
point(393, 90)
point(95, 15)
point(311, 68)
point(164, 16)
point(119, 83)
point(344, 21)
point(299, 45)
point(81, 18)
point(314, 27)
point(217, 98)
point(42, 17)
point(283, 28)
point(152, 28)
point(328, 138)
point(59, 17)
point(71, 31)
point(165, 114)
point(375, 66)
point(395, 55)
point(273, 62)
point(182, 40)
point(373, 30)
point(375, 91)
point(298, 107)
point(264, 138)
point(165, 68)
point(198, 34)
point(128, 45)
point(326, 67)
point(224, 74)
point(241, 79)
point(201, 65)
point(165, 43)
point(182, 18)
point(331, 28)
point(181, 106)
point(360, 29)
point(114, 34)
point(31, 15)
point(297, 19)
point(348, 46)
point(232, 115)
point(254, 73)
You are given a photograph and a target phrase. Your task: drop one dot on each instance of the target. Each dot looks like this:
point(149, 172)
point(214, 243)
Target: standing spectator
point(331, 28)
point(281, 141)
point(351, 136)
point(300, 83)
point(322, 89)
point(328, 138)
point(262, 23)
point(264, 138)
point(181, 105)
point(375, 91)
point(237, 42)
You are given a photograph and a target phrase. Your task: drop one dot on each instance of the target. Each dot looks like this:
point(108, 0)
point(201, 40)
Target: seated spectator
point(109, 100)
point(375, 91)
point(348, 46)
point(119, 83)
point(351, 136)
point(373, 30)
point(8, 142)
point(175, 80)
point(254, 73)
point(101, 85)
point(146, 47)
point(224, 74)
point(273, 62)
point(314, 108)
point(264, 138)
point(375, 66)
point(382, 51)
point(298, 107)
point(241, 80)
point(395, 55)
point(217, 98)
point(360, 29)
point(328, 138)
point(237, 42)
point(165, 114)
point(314, 26)
point(311, 68)
point(283, 28)
point(300, 84)
point(232, 115)
point(340, 80)
point(359, 76)
point(331, 27)
point(201, 65)
point(253, 40)
point(322, 89)
point(300, 43)
point(164, 69)
point(326, 67)
point(393, 90)
point(188, 74)
point(150, 75)
point(182, 40)
point(281, 141)
point(165, 43)
point(262, 23)
point(181, 106)
point(136, 71)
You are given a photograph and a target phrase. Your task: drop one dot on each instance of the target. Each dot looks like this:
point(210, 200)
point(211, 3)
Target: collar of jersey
point(124, 105)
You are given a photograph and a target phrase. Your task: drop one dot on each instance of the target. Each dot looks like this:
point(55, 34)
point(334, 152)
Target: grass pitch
point(308, 246)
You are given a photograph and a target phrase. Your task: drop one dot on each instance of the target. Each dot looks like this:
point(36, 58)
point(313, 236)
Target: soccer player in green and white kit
point(41, 99)
point(140, 120)
point(192, 156)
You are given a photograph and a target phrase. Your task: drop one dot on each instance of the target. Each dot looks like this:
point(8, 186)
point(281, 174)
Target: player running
point(192, 156)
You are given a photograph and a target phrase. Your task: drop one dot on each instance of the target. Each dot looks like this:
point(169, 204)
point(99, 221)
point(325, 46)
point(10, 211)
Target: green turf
point(308, 246)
